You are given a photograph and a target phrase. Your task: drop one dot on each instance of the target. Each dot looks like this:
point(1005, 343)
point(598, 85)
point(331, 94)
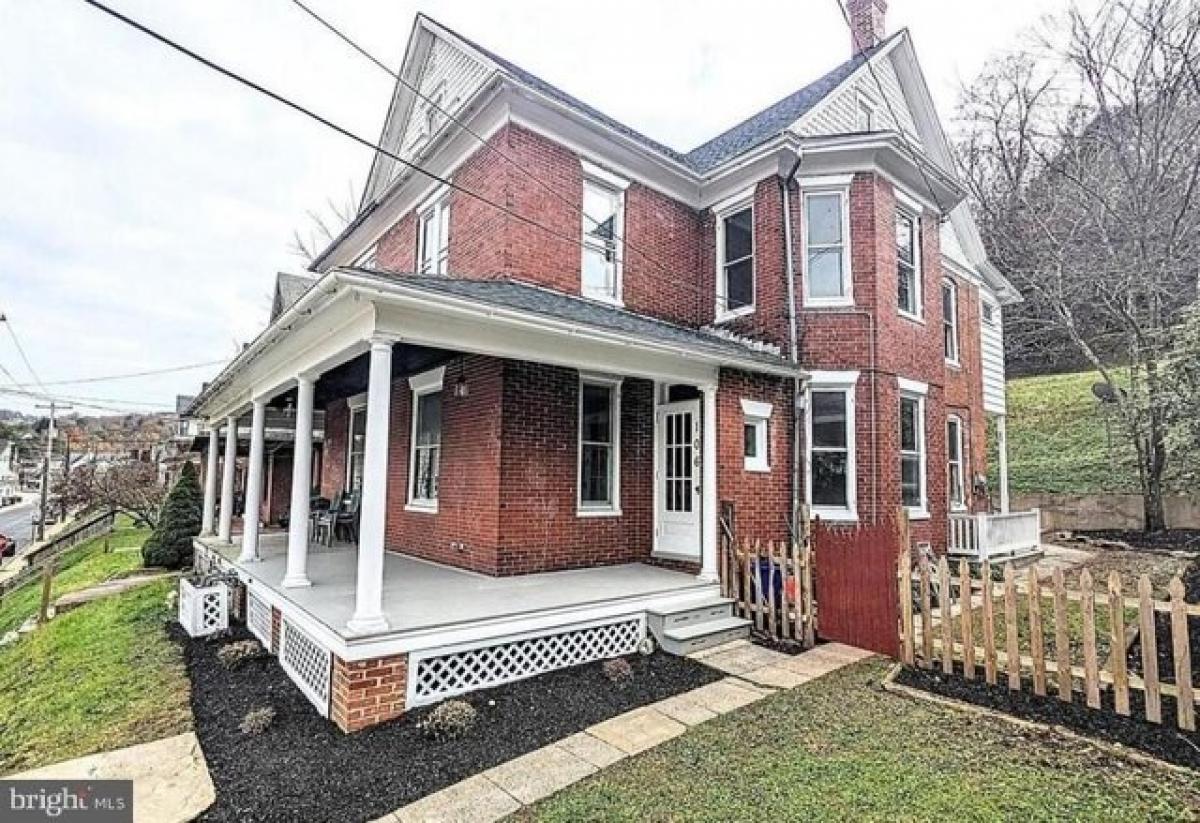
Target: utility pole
point(41, 524)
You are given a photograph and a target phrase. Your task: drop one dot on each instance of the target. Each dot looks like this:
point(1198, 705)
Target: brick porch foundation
point(368, 692)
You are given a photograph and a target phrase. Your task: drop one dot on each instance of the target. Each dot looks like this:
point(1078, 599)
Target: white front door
point(677, 480)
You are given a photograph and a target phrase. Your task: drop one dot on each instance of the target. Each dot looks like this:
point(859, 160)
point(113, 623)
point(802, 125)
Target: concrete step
point(704, 635)
point(663, 618)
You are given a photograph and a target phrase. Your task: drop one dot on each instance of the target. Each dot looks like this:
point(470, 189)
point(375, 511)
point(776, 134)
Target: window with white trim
point(735, 262)
point(950, 321)
point(356, 440)
point(908, 262)
point(433, 236)
point(827, 247)
point(912, 452)
point(956, 463)
point(864, 114)
point(830, 446)
point(987, 310)
point(603, 218)
point(599, 445)
point(755, 435)
point(426, 452)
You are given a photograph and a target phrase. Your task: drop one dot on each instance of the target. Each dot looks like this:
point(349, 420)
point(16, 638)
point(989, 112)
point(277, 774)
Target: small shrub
point(235, 654)
point(170, 544)
point(449, 721)
point(258, 720)
point(618, 671)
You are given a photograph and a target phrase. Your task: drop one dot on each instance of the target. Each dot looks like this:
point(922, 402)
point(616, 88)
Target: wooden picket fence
point(787, 614)
point(946, 632)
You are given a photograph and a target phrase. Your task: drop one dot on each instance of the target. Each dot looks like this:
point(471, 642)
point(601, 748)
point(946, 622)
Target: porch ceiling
point(328, 327)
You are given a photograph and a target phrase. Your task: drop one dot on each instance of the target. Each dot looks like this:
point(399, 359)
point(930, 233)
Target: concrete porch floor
point(419, 594)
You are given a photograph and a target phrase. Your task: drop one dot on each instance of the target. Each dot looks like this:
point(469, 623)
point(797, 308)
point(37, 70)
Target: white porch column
point(1002, 450)
point(225, 526)
point(254, 482)
point(711, 524)
point(368, 603)
point(297, 545)
point(207, 526)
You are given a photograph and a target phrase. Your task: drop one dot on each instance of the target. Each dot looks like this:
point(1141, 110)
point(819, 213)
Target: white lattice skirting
point(441, 674)
point(307, 663)
point(258, 619)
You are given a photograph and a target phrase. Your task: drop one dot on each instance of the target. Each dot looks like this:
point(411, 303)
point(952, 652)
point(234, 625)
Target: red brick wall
point(333, 451)
point(463, 530)
point(280, 487)
point(964, 385)
point(367, 692)
point(397, 249)
point(539, 527)
point(761, 500)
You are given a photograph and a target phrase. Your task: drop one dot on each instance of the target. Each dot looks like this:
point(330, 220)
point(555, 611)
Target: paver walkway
point(102, 590)
point(754, 672)
point(170, 777)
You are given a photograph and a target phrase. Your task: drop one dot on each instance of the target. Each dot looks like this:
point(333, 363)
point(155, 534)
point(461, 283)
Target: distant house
point(539, 419)
point(10, 480)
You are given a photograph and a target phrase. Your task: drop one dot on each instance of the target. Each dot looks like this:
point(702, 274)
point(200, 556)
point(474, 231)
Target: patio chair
point(324, 521)
point(346, 521)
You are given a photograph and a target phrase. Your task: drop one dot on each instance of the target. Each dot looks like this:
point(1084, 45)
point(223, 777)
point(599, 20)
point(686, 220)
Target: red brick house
point(556, 358)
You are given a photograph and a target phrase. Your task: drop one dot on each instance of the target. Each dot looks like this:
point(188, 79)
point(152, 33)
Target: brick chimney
point(867, 23)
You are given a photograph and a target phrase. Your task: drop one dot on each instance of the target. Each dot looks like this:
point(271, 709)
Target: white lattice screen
point(258, 619)
point(203, 610)
point(307, 663)
point(443, 675)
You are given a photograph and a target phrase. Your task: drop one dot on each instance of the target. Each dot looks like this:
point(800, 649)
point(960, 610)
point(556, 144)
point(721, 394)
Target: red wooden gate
point(855, 582)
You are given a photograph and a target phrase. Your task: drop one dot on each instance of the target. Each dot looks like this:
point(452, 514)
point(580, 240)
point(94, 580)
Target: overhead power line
point(887, 101)
point(297, 107)
point(126, 376)
point(7, 321)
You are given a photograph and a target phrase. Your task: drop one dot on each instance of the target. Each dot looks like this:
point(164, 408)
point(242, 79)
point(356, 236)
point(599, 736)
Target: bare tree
point(324, 225)
point(131, 487)
point(1083, 160)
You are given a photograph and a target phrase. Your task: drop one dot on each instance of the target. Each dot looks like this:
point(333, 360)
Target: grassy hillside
point(1060, 439)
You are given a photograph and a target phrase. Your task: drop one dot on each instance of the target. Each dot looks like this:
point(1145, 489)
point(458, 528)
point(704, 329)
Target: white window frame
point(817, 186)
point(604, 180)
point(757, 414)
point(864, 103)
point(845, 382)
point(721, 212)
point(613, 508)
point(951, 323)
point(429, 382)
point(986, 306)
point(910, 210)
point(434, 211)
point(357, 402)
point(916, 391)
point(961, 440)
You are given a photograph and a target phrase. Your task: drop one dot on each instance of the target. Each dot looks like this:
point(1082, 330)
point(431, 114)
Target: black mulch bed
point(789, 647)
point(304, 768)
point(1164, 647)
point(1169, 541)
point(1164, 741)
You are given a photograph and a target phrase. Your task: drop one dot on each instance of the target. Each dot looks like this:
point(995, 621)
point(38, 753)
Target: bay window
point(830, 445)
point(950, 321)
point(956, 464)
point(735, 263)
point(599, 446)
point(908, 263)
point(826, 247)
point(912, 448)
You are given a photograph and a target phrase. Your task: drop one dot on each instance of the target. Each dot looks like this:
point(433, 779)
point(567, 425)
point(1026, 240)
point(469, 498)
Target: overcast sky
point(146, 203)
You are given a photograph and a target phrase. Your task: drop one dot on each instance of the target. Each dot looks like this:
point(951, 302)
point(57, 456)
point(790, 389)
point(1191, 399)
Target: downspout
point(793, 344)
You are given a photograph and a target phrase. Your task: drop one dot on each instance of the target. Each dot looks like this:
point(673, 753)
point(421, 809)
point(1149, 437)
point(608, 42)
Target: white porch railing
point(987, 536)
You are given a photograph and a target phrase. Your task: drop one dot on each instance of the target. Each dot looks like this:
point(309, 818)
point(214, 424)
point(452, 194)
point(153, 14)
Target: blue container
point(770, 577)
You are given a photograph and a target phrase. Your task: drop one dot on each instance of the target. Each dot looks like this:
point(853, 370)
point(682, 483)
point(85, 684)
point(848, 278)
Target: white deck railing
point(987, 536)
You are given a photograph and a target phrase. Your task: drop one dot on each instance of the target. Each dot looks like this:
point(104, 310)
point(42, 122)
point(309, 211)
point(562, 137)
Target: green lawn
point(841, 748)
point(1059, 438)
point(102, 676)
point(85, 565)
